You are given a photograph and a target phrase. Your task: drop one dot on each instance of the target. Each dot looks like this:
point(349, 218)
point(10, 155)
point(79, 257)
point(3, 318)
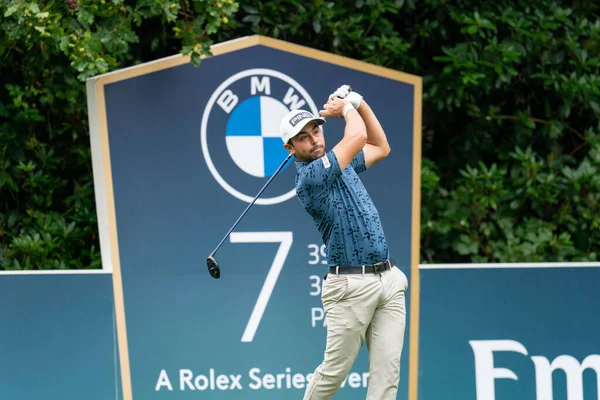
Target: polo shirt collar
point(301, 164)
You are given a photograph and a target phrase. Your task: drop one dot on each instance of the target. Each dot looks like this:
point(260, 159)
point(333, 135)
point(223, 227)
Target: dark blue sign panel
point(510, 333)
point(180, 152)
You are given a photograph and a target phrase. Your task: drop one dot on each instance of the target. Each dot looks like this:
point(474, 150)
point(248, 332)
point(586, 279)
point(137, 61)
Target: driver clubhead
point(213, 267)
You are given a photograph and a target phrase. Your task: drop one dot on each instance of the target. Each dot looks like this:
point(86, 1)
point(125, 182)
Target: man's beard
point(312, 155)
point(317, 152)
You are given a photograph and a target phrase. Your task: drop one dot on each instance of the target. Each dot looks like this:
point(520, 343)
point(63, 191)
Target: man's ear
point(289, 147)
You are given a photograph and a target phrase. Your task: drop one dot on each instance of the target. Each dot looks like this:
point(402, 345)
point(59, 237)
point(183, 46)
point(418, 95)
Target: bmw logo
point(240, 135)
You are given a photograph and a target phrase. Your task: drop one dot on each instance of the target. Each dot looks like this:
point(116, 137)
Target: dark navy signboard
point(189, 148)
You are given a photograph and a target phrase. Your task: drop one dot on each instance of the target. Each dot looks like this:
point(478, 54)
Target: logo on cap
point(240, 132)
point(299, 117)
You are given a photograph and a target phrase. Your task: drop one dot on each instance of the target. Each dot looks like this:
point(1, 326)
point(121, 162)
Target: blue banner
point(57, 337)
point(510, 333)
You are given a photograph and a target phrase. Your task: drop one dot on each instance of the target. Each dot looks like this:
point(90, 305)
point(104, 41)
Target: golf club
point(211, 263)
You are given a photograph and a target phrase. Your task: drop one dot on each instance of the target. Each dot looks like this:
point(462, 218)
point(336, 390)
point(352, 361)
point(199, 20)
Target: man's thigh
point(385, 339)
point(349, 305)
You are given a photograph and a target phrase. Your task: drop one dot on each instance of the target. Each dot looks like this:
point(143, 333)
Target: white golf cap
point(295, 121)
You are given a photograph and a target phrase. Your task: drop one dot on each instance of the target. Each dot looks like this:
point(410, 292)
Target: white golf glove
point(344, 92)
point(340, 92)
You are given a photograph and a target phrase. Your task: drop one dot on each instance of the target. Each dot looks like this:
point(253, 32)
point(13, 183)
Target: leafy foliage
point(48, 49)
point(511, 138)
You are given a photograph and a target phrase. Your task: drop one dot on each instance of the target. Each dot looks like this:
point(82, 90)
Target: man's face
point(309, 144)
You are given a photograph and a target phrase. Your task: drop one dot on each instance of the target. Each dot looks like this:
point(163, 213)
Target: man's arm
point(377, 147)
point(355, 132)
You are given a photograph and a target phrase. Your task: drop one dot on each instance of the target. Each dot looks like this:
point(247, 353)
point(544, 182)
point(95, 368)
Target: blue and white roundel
point(240, 136)
point(252, 135)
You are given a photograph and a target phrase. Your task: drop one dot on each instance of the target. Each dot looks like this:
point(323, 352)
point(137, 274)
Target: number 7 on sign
point(285, 239)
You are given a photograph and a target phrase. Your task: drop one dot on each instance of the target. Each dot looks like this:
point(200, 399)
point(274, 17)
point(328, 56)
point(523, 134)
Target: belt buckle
point(375, 269)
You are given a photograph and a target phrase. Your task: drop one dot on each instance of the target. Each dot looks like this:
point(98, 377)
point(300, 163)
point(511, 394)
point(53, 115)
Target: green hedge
point(511, 132)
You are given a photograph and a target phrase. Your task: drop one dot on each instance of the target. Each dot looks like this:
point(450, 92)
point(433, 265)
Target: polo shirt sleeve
point(358, 163)
point(321, 173)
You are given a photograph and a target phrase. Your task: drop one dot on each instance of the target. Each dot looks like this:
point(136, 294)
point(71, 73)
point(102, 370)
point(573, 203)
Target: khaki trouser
point(359, 307)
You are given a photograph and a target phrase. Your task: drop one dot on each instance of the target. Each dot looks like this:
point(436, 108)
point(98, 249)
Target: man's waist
point(363, 269)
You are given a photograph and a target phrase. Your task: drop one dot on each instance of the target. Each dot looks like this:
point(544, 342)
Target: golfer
point(363, 293)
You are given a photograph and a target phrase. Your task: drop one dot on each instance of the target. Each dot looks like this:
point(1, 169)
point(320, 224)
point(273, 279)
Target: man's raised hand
point(345, 92)
point(334, 108)
point(340, 92)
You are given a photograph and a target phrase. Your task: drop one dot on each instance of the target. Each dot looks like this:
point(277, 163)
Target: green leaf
point(11, 10)
point(564, 110)
point(317, 26)
point(466, 246)
point(529, 123)
point(250, 9)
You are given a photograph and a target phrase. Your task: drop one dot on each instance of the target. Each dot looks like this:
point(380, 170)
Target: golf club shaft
point(250, 205)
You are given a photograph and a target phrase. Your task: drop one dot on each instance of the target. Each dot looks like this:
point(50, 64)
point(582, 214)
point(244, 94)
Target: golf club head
point(213, 267)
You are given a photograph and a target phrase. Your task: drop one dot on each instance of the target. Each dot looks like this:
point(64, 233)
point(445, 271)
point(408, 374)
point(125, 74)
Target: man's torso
point(343, 211)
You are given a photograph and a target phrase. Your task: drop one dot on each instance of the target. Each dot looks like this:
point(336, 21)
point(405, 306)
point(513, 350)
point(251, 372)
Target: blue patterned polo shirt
point(342, 210)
